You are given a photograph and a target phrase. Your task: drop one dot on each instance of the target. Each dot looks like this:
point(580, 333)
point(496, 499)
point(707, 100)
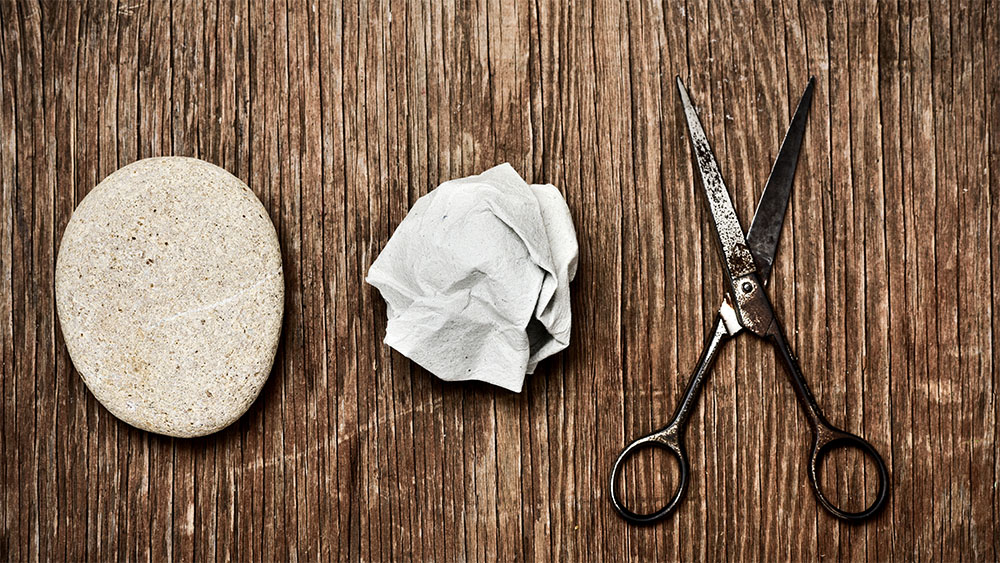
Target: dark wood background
point(340, 116)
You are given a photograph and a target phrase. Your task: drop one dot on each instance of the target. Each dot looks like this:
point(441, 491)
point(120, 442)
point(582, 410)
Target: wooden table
point(340, 116)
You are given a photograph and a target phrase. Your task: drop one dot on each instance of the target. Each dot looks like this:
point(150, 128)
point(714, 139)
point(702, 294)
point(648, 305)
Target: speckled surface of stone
point(170, 293)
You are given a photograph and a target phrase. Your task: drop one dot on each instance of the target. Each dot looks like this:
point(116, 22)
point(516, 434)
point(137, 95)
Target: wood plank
point(340, 115)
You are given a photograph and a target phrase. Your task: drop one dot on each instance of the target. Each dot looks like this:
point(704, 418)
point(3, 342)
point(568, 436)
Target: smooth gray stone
point(170, 294)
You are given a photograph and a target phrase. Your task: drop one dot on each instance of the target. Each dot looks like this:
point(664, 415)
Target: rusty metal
point(747, 262)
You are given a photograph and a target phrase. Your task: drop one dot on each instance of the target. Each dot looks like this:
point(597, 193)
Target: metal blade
point(736, 257)
point(762, 238)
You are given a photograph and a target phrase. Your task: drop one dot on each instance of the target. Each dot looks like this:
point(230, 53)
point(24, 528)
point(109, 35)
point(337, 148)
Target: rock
point(170, 293)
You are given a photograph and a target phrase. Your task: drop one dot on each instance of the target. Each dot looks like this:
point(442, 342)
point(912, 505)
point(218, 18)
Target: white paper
point(476, 278)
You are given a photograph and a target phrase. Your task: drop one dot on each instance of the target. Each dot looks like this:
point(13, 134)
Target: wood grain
point(339, 116)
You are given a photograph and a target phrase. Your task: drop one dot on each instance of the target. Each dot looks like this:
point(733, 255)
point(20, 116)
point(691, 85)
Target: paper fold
point(476, 278)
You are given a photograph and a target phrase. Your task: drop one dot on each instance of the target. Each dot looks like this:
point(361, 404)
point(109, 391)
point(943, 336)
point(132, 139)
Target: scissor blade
point(762, 238)
point(736, 257)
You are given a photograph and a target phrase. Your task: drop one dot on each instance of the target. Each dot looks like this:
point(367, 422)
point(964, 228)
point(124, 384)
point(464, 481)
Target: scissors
point(746, 263)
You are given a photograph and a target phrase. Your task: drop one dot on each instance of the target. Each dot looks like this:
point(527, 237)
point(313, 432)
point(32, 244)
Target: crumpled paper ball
point(476, 278)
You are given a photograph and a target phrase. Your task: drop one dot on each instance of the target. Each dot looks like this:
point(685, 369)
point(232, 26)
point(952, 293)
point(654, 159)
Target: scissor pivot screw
point(747, 287)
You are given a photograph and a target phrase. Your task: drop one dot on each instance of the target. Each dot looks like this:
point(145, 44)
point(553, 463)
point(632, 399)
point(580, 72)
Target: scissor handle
point(668, 439)
point(671, 437)
point(826, 438)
